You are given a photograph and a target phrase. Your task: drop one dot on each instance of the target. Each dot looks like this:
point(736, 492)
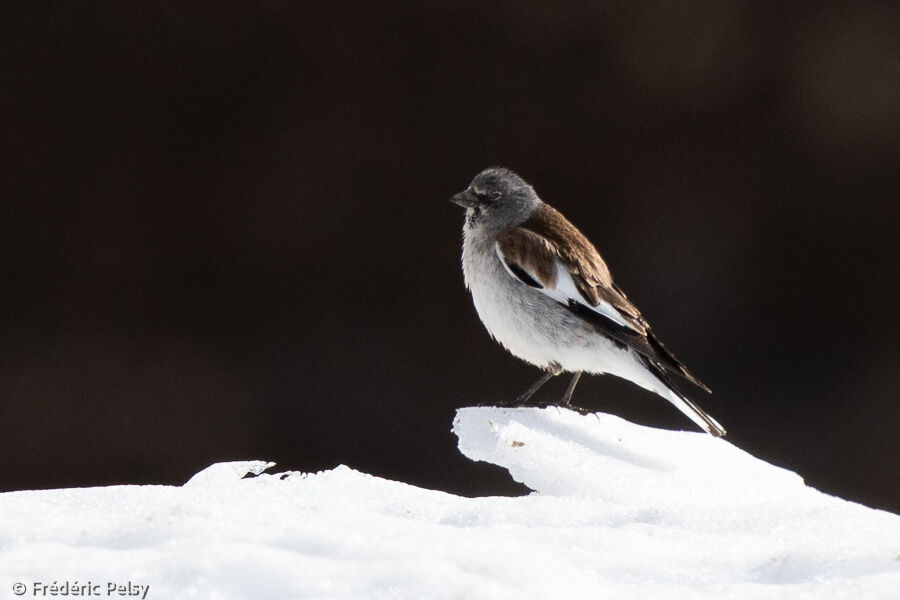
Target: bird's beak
point(465, 198)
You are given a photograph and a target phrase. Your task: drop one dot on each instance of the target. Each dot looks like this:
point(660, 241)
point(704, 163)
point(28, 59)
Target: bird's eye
point(488, 196)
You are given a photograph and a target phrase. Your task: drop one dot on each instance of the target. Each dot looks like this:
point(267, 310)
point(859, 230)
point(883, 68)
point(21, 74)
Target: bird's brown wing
point(549, 253)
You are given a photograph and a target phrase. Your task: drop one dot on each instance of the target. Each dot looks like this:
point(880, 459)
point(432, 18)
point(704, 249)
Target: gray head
point(497, 198)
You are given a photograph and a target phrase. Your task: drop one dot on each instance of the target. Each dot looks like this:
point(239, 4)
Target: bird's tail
point(693, 412)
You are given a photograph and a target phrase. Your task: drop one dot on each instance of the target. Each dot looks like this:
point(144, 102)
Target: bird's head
point(497, 197)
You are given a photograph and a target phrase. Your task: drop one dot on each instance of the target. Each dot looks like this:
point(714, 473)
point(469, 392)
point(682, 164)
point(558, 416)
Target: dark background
point(224, 230)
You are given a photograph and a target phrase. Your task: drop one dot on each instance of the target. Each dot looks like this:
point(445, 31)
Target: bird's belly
point(514, 322)
point(541, 331)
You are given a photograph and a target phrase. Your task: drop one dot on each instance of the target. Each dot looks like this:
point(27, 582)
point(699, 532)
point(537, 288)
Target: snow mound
point(688, 508)
point(618, 511)
point(562, 453)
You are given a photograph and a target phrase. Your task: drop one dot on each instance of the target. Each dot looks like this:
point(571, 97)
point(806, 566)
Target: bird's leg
point(567, 397)
point(524, 398)
point(552, 371)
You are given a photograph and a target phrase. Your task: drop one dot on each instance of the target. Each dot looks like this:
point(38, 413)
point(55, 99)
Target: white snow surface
point(619, 511)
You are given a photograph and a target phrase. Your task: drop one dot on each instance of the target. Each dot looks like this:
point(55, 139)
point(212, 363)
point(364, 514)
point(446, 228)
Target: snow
point(619, 511)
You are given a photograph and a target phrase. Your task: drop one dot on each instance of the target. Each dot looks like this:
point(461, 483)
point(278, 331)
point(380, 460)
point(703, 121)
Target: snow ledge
point(631, 511)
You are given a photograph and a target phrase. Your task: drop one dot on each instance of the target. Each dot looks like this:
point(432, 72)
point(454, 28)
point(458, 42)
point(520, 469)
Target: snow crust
point(619, 511)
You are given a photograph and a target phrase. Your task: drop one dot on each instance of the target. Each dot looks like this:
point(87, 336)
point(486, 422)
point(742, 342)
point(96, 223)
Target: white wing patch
point(566, 290)
point(506, 265)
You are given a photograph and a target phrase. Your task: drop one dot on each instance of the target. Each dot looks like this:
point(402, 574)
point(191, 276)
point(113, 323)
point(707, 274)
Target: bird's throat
point(472, 216)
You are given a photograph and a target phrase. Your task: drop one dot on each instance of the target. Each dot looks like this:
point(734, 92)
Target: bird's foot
point(518, 403)
point(579, 409)
point(559, 405)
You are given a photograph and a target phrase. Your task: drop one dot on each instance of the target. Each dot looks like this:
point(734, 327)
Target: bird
point(545, 294)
